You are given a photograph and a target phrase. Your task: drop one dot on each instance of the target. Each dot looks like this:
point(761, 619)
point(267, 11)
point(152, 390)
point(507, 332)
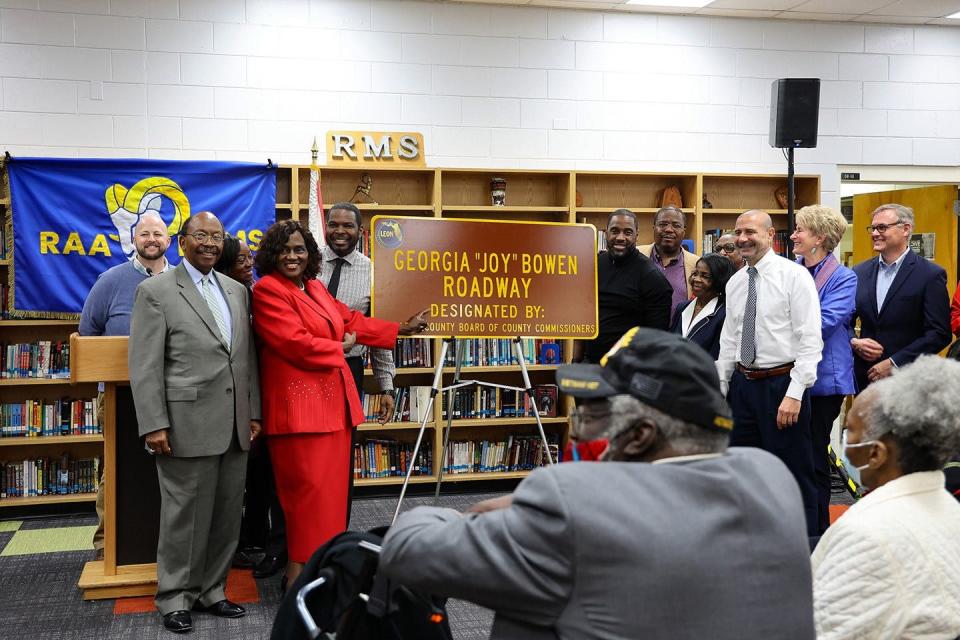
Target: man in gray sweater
point(672, 535)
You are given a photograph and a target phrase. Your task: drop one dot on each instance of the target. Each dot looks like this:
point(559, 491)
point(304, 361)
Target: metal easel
point(455, 384)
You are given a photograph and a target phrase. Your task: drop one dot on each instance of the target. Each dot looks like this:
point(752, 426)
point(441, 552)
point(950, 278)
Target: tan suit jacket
point(689, 260)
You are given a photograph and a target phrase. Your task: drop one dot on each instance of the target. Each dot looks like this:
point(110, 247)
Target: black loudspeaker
point(794, 112)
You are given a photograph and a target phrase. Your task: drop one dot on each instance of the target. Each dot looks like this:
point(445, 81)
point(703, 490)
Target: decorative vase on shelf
point(498, 191)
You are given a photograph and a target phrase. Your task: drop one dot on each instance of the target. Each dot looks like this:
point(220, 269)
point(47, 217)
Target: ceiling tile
point(759, 5)
point(737, 13)
point(891, 19)
point(855, 7)
point(576, 4)
point(920, 8)
point(827, 17)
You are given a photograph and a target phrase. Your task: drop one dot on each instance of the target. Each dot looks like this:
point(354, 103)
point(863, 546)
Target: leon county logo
point(389, 234)
point(127, 206)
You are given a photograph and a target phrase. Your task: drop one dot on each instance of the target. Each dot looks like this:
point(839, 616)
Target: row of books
point(515, 453)
point(41, 359)
point(45, 418)
point(48, 476)
point(415, 352)
point(4, 301)
point(382, 458)
point(496, 402)
point(410, 405)
point(491, 352)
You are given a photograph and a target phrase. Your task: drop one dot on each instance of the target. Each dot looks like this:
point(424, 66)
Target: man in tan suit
point(193, 371)
point(668, 254)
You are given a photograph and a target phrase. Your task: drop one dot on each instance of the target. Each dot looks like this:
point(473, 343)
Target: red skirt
point(312, 474)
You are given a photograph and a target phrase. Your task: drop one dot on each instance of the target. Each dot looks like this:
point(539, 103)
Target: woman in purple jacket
point(818, 232)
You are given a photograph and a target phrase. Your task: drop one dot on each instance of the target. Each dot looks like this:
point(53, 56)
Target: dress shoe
point(224, 609)
point(243, 559)
point(269, 566)
point(178, 622)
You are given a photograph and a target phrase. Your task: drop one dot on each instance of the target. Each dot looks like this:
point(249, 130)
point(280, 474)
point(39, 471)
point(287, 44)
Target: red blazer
point(305, 384)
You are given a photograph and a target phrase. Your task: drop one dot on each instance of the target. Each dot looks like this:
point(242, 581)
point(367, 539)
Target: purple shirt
point(676, 275)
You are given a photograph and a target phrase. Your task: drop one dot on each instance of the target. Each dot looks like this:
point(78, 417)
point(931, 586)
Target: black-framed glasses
point(882, 228)
point(726, 248)
point(203, 236)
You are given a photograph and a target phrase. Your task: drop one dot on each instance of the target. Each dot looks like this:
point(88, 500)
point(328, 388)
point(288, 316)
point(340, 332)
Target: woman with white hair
point(890, 566)
point(818, 232)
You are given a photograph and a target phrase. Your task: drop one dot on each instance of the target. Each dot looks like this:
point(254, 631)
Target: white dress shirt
point(689, 321)
point(787, 326)
point(886, 273)
point(196, 276)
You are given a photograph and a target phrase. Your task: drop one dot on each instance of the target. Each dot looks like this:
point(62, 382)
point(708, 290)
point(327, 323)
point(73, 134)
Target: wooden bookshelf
point(20, 441)
point(26, 382)
point(30, 501)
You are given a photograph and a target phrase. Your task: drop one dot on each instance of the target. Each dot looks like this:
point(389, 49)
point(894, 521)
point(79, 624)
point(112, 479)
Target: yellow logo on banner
point(126, 206)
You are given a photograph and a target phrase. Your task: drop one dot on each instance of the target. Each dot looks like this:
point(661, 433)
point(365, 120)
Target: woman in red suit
point(310, 401)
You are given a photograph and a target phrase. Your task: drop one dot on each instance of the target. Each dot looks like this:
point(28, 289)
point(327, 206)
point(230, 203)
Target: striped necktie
point(208, 285)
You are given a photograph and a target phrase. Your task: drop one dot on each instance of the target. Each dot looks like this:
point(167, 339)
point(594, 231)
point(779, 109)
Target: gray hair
point(904, 214)
point(917, 407)
point(683, 437)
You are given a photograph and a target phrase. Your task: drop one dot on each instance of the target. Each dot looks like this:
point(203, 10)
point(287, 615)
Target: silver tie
point(748, 341)
point(208, 285)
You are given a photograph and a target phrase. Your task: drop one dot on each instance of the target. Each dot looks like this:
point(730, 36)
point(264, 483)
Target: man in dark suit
point(193, 372)
point(902, 300)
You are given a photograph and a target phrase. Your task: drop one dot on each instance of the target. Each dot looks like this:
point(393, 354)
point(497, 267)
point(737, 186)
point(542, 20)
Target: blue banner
point(73, 219)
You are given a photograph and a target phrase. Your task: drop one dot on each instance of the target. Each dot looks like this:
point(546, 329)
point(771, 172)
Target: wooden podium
point(131, 493)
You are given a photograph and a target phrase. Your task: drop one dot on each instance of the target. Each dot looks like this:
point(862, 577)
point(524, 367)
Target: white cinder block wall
point(488, 86)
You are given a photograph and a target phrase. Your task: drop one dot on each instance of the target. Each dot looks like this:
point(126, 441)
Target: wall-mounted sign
point(487, 279)
point(924, 245)
point(396, 148)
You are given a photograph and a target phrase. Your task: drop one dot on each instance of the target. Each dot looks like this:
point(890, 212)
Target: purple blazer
point(838, 301)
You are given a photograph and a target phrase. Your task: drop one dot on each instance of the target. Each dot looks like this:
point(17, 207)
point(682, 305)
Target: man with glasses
point(727, 246)
point(668, 254)
point(107, 309)
point(631, 291)
point(193, 372)
point(902, 300)
point(672, 535)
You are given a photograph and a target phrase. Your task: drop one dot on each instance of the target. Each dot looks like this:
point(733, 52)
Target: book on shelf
point(48, 476)
point(42, 359)
point(493, 352)
point(413, 352)
point(49, 418)
point(513, 453)
point(409, 405)
point(385, 457)
point(4, 301)
point(547, 396)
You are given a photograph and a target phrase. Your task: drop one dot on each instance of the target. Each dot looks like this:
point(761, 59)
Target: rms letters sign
point(380, 148)
point(487, 279)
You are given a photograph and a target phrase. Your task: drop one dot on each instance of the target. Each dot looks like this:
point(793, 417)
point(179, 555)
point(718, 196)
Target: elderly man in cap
point(672, 535)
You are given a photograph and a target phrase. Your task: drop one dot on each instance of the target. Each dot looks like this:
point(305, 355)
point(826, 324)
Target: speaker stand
point(790, 196)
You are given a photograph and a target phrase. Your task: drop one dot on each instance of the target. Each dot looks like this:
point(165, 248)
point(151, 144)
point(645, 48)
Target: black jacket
point(706, 332)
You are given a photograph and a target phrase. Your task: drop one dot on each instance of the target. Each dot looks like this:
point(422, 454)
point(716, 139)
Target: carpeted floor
point(41, 559)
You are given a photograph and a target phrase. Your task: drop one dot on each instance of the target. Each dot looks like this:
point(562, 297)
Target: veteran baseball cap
point(660, 369)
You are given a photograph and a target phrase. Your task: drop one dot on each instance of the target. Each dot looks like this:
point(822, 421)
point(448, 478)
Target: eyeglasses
point(727, 248)
point(882, 228)
point(242, 260)
point(669, 225)
point(203, 236)
point(578, 419)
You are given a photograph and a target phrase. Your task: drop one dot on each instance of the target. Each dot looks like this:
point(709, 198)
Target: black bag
point(387, 611)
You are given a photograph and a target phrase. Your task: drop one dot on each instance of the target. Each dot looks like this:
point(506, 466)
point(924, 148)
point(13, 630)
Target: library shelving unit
point(531, 195)
point(16, 390)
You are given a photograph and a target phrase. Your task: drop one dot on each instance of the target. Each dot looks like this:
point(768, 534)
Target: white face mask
point(852, 470)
